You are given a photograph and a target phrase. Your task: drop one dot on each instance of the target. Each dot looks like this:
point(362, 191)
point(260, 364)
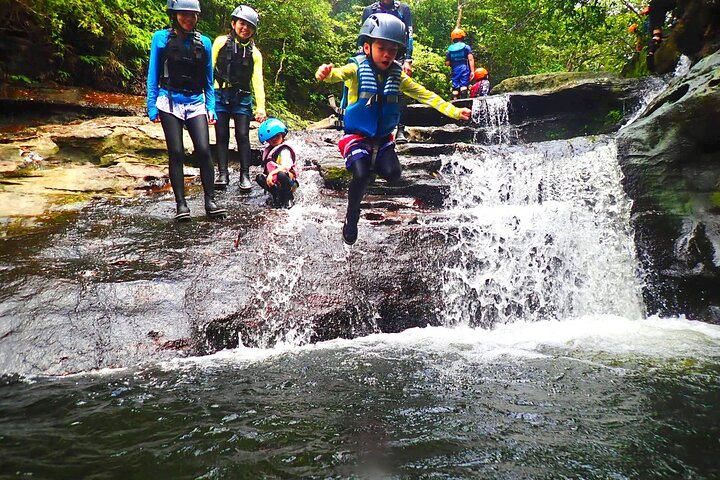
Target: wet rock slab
point(114, 282)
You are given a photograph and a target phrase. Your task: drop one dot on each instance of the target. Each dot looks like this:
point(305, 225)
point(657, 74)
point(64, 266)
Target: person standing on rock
point(402, 11)
point(460, 59)
point(180, 92)
point(375, 83)
point(238, 69)
point(657, 11)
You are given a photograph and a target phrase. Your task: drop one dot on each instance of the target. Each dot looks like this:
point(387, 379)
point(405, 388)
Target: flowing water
point(595, 397)
point(491, 114)
point(547, 366)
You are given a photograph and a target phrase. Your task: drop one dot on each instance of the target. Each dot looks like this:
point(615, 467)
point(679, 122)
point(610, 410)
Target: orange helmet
point(480, 73)
point(457, 34)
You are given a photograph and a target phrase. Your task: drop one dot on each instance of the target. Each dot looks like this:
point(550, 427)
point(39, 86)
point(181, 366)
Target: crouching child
point(280, 174)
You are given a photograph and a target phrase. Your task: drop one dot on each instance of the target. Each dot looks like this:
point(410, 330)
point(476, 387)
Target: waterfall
point(491, 114)
point(538, 232)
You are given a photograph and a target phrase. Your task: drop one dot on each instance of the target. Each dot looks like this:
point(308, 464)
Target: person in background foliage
point(375, 83)
point(280, 172)
point(402, 11)
point(238, 68)
point(636, 32)
point(657, 11)
point(180, 92)
point(461, 62)
point(481, 87)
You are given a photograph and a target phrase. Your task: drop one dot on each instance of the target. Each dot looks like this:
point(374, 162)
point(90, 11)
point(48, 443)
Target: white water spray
point(538, 232)
point(491, 114)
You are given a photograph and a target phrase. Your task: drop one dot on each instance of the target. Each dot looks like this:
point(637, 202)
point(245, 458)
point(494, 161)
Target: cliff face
point(671, 161)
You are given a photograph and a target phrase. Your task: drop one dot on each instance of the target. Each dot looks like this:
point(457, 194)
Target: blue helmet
point(270, 128)
point(247, 14)
point(384, 26)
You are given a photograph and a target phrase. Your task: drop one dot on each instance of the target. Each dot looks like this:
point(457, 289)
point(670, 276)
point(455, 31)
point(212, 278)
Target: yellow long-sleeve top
point(348, 74)
point(258, 85)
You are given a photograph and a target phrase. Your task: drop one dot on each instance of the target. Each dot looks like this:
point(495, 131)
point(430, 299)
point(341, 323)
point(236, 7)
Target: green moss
point(555, 135)
point(715, 201)
point(636, 66)
point(73, 198)
point(672, 202)
point(336, 178)
point(613, 117)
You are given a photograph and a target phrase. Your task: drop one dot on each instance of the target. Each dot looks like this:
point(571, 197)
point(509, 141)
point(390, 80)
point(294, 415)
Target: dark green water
point(523, 401)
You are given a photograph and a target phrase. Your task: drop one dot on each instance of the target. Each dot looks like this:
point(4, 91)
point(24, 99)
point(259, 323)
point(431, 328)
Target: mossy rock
point(715, 202)
point(636, 67)
point(548, 81)
point(335, 178)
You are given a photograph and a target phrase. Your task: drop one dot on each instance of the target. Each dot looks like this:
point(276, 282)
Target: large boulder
point(119, 283)
point(671, 161)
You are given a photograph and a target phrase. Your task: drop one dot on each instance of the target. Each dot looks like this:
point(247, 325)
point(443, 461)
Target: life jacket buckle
point(339, 123)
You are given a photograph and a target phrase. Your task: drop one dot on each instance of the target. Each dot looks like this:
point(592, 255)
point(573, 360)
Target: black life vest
point(183, 67)
point(234, 65)
point(378, 7)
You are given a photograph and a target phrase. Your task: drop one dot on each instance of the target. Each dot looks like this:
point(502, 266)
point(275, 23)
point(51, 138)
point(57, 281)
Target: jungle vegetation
point(104, 44)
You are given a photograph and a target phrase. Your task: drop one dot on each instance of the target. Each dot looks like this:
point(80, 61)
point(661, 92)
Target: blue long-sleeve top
point(159, 42)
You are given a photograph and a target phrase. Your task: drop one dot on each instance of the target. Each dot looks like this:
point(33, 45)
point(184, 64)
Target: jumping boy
point(375, 81)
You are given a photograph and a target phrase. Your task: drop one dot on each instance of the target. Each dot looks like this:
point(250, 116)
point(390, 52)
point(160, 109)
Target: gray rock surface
point(671, 161)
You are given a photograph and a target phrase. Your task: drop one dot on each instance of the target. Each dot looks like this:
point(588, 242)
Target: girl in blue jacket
point(180, 92)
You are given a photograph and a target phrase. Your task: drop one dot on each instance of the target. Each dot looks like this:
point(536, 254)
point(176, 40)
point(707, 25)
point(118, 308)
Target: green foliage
point(97, 43)
point(20, 79)
point(105, 43)
point(430, 71)
point(521, 37)
point(613, 117)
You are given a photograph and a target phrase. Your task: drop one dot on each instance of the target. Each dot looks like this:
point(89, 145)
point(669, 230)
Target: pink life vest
point(270, 155)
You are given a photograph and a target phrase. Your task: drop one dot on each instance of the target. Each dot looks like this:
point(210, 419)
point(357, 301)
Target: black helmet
point(247, 14)
point(183, 6)
point(383, 26)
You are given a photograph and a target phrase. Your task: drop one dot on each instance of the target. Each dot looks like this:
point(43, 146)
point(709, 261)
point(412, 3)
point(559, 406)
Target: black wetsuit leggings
point(281, 191)
point(387, 166)
point(198, 130)
point(242, 137)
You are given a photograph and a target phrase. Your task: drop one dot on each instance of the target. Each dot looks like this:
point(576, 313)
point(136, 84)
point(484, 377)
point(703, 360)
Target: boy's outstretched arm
point(414, 90)
point(323, 71)
point(327, 72)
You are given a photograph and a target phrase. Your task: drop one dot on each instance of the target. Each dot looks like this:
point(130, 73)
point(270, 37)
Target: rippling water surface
point(596, 397)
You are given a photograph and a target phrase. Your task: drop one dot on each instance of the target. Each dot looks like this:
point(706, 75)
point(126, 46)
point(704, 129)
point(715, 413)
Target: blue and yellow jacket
point(349, 74)
point(257, 82)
